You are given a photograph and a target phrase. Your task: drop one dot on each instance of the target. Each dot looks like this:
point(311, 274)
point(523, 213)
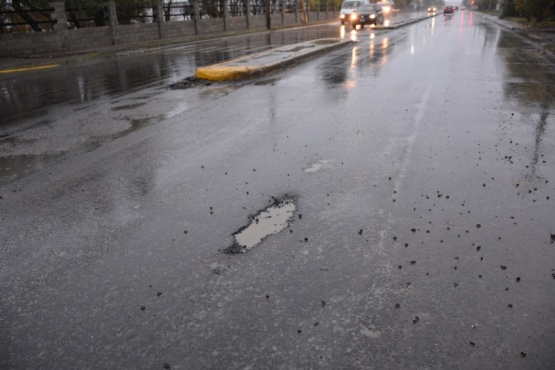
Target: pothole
point(269, 221)
point(317, 166)
point(188, 83)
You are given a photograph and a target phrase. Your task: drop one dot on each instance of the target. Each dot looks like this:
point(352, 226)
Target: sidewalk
point(544, 37)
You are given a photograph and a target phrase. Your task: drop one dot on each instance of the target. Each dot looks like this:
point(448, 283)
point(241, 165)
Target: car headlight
point(354, 16)
point(342, 16)
point(386, 9)
point(372, 16)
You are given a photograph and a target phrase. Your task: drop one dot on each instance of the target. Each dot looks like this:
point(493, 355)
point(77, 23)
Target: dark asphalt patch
point(129, 106)
point(188, 83)
point(271, 220)
point(270, 81)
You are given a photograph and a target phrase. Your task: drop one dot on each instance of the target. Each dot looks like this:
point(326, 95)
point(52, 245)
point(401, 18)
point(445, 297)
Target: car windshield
point(351, 4)
point(366, 8)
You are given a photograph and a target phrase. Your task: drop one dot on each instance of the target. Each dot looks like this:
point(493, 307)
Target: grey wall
point(82, 39)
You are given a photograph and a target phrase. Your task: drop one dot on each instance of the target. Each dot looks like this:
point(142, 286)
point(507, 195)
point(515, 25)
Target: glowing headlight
point(372, 16)
point(354, 16)
point(342, 16)
point(386, 9)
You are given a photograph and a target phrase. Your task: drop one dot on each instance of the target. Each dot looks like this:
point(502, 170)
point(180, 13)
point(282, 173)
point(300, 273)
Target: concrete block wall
point(291, 19)
point(74, 40)
point(91, 38)
point(29, 43)
point(172, 30)
point(134, 33)
point(258, 21)
point(322, 15)
point(236, 24)
point(211, 25)
point(276, 20)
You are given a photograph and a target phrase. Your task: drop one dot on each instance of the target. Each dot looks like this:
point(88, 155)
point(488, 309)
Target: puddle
point(19, 166)
point(216, 92)
point(326, 42)
point(270, 81)
point(15, 167)
point(370, 333)
point(296, 49)
point(129, 106)
point(270, 221)
point(317, 166)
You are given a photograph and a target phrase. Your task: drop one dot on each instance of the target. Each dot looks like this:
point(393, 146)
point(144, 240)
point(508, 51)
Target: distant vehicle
point(448, 9)
point(387, 7)
point(432, 9)
point(367, 14)
point(348, 7)
point(463, 7)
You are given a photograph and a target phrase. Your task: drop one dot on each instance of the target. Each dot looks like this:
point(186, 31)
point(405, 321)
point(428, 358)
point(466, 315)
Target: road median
point(266, 61)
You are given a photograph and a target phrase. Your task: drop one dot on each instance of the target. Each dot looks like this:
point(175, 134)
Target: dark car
point(448, 9)
point(367, 14)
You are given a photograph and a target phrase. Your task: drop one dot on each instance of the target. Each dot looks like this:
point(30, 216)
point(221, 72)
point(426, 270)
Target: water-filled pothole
point(267, 222)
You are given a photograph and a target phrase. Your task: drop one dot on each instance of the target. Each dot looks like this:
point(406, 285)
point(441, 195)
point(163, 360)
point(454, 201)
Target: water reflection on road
point(34, 93)
point(31, 94)
point(51, 115)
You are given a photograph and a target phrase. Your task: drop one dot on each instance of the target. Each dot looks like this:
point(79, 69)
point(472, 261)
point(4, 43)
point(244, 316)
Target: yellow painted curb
point(224, 73)
point(15, 70)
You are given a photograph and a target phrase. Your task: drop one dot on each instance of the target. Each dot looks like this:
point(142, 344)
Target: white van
point(348, 7)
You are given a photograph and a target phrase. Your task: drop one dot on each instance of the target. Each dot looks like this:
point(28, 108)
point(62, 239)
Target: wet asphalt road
point(421, 162)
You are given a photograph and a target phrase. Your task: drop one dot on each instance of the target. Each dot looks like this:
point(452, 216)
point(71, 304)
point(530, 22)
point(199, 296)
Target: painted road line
point(25, 69)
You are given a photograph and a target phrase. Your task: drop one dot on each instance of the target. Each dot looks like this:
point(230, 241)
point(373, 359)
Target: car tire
point(354, 25)
point(342, 23)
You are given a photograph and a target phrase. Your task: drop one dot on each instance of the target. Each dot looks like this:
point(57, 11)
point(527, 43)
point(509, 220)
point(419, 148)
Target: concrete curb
point(257, 64)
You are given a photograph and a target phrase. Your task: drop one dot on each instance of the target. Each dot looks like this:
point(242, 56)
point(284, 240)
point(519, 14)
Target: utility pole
point(269, 14)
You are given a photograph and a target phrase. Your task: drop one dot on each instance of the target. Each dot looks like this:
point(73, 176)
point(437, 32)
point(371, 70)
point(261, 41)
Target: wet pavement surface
point(420, 163)
point(68, 97)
